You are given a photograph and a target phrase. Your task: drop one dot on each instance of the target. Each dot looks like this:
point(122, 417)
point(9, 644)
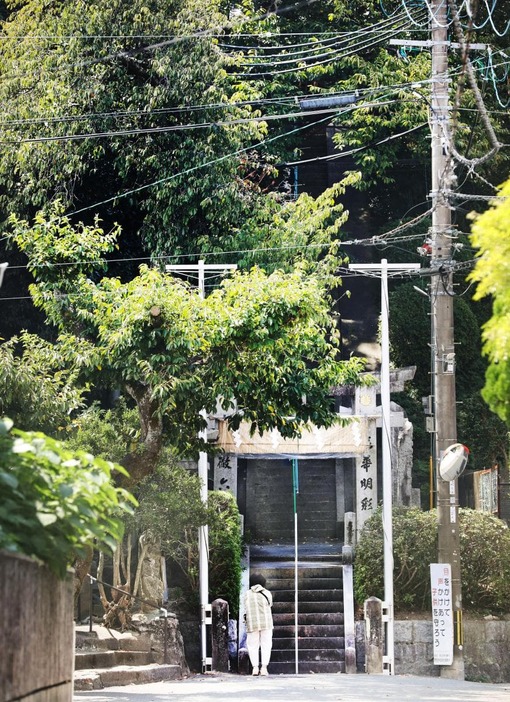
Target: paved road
point(302, 688)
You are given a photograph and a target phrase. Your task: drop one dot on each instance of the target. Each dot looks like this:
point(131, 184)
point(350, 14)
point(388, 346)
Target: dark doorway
point(269, 501)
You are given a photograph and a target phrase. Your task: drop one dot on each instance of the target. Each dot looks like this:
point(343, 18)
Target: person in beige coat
point(259, 624)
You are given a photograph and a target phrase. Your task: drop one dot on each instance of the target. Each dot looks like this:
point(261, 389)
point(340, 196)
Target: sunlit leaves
point(56, 502)
point(267, 340)
point(491, 236)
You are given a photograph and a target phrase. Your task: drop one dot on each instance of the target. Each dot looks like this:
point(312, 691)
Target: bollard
point(374, 635)
point(220, 660)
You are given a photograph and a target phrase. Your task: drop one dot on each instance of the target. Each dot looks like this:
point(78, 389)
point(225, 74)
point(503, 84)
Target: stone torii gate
point(357, 439)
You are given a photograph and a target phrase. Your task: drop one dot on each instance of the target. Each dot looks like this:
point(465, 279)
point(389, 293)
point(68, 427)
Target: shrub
point(414, 548)
point(485, 560)
point(56, 502)
point(225, 549)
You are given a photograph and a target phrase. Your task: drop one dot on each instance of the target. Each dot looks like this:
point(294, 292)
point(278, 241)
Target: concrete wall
point(486, 649)
point(36, 633)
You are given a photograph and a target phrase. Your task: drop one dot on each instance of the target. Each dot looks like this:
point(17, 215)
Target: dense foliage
point(269, 341)
point(56, 502)
point(225, 549)
point(37, 390)
point(410, 332)
point(171, 511)
point(491, 237)
point(485, 560)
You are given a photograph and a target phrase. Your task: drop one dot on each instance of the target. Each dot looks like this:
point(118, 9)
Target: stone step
point(309, 642)
point(305, 549)
point(305, 667)
point(304, 583)
point(308, 607)
point(308, 595)
point(99, 678)
point(286, 531)
point(114, 641)
point(321, 643)
point(285, 570)
point(310, 654)
point(107, 659)
point(306, 618)
point(308, 630)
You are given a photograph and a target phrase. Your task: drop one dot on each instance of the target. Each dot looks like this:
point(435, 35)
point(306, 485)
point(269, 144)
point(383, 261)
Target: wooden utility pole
point(443, 349)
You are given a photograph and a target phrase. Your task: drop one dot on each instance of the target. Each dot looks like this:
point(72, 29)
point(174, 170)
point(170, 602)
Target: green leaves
point(491, 236)
point(55, 502)
point(37, 387)
point(171, 511)
point(267, 340)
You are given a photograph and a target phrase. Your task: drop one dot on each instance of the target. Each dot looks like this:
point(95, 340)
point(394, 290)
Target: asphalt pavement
point(217, 687)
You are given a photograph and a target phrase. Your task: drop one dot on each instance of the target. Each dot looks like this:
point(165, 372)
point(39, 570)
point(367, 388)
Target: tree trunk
point(142, 461)
point(81, 570)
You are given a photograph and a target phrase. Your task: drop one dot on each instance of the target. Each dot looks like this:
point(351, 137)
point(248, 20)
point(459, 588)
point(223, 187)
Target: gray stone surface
point(303, 688)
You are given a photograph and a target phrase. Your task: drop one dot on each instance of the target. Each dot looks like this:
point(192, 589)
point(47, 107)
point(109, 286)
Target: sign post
point(442, 612)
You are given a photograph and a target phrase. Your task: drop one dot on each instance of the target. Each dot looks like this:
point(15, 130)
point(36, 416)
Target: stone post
point(220, 661)
point(374, 632)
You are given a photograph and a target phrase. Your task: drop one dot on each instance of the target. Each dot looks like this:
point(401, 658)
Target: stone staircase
point(107, 657)
point(321, 641)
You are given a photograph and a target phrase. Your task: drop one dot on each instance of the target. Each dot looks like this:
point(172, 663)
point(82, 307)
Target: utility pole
point(443, 351)
point(200, 269)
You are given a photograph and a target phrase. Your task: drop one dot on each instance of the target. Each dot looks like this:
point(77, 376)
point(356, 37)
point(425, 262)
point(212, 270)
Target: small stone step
point(104, 640)
point(308, 654)
point(99, 678)
point(309, 642)
point(307, 618)
point(304, 583)
point(321, 607)
point(108, 659)
point(317, 630)
point(305, 667)
point(306, 569)
point(309, 595)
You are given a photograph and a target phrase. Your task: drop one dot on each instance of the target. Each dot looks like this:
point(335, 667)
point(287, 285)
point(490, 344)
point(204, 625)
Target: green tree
point(226, 549)
point(37, 390)
point(478, 426)
point(265, 344)
point(171, 511)
point(155, 80)
point(127, 66)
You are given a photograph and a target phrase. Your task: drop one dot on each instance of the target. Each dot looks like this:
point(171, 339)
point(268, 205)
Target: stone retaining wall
point(486, 649)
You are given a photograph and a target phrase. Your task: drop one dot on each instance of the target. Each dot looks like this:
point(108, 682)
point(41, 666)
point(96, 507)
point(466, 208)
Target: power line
point(171, 128)
point(276, 101)
point(351, 152)
point(340, 38)
point(374, 240)
point(192, 169)
point(337, 55)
